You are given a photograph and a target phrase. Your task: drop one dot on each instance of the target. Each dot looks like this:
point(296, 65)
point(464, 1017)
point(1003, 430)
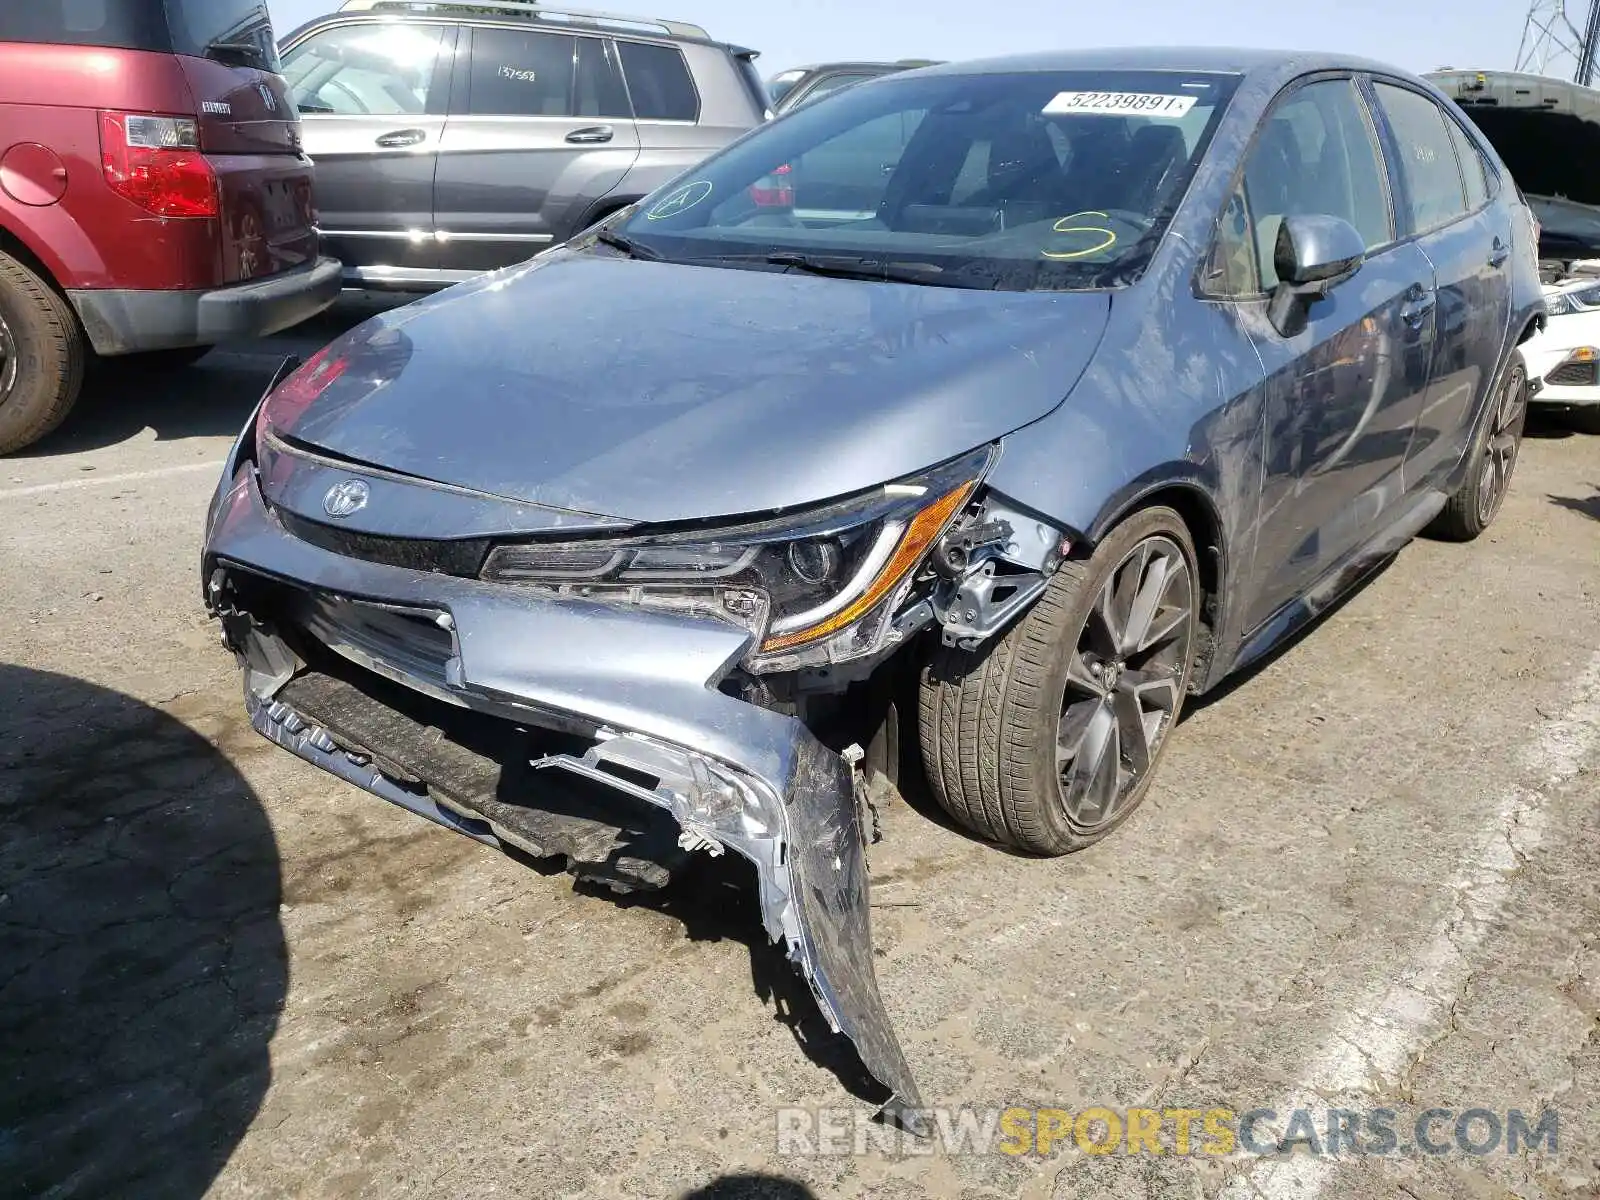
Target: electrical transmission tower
point(1552, 45)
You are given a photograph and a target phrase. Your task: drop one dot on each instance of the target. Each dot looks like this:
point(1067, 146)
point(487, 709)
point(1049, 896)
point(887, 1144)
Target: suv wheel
point(1048, 738)
point(42, 354)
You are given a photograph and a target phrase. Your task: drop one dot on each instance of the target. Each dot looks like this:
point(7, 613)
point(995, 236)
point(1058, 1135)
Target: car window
point(119, 24)
point(599, 90)
point(1427, 165)
point(1474, 172)
point(1020, 181)
point(520, 74)
point(834, 83)
point(1314, 154)
point(659, 81)
point(846, 177)
point(200, 27)
point(364, 69)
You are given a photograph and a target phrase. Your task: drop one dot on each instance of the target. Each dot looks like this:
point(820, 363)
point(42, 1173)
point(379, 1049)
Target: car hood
point(657, 392)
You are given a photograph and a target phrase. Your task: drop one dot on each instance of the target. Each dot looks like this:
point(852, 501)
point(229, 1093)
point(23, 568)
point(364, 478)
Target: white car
point(1567, 354)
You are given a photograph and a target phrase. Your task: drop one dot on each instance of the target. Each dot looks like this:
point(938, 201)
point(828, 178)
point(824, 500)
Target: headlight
point(816, 587)
point(1574, 300)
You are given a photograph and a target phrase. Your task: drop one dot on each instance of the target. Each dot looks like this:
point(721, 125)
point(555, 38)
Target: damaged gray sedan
point(979, 412)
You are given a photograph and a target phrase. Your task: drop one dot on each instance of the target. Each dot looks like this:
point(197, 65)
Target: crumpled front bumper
point(642, 688)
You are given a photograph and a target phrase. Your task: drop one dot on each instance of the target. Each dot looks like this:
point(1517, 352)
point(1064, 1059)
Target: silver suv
point(452, 139)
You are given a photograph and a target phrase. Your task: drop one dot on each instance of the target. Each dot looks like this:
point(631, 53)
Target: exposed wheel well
point(1534, 325)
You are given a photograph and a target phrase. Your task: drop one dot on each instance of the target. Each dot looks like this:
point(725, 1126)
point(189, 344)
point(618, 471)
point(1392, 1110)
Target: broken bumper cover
point(642, 687)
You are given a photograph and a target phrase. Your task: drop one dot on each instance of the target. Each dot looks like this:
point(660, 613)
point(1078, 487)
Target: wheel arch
point(24, 251)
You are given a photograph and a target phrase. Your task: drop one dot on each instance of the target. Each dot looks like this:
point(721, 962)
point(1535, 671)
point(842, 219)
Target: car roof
point(558, 20)
point(1218, 59)
point(855, 64)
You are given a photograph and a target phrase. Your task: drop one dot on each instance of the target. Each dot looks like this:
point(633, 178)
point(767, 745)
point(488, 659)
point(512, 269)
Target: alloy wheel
point(1123, 681)
point(1505, 439)
point(10, 364)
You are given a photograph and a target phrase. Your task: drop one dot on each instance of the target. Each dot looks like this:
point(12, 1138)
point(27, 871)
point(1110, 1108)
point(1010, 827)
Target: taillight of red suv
point(155, 162)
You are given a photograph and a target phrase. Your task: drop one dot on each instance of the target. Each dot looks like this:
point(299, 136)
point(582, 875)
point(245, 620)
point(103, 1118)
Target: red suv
point(153, 193)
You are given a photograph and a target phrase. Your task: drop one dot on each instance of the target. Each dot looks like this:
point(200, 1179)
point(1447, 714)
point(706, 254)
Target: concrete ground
point(1367, 877)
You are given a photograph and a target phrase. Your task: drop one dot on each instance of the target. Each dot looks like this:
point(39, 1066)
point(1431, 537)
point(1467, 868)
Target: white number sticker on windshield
point(1143, 104)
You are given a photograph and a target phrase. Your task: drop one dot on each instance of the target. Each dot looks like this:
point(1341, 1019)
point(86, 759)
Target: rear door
point(540, 129)
point(372, 100)
point(1467, 239)
point(678, 125)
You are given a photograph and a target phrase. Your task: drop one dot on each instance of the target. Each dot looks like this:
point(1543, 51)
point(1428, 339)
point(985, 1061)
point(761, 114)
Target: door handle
point(1500, 253)
point(1419, 302)
point(592, 135)
point(401, 138)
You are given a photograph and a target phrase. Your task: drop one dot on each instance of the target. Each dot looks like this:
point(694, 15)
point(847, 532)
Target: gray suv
point(452, 139)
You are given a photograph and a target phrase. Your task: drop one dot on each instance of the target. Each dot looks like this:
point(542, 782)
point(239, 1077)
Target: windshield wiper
point(847, 266)
point(237, 54)
point(628, 246)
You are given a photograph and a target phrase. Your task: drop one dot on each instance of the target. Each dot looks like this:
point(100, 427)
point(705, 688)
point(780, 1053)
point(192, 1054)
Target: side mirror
point(1313, 254)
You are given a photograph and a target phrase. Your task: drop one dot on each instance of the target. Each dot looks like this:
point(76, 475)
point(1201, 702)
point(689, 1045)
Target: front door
point(1439, 173)
point(1342, 394)
point(540, 129)
point(372, 101)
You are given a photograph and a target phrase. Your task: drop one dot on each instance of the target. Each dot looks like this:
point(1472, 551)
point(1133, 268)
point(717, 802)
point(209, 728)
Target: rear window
point(118, 24)
point(237, 31)
point(659, 81)
point(234, 31)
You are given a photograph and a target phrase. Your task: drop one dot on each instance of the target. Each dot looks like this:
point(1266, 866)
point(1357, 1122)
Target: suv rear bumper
point(125, 322)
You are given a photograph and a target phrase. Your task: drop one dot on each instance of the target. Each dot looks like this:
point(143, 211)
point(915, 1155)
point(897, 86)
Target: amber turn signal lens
point(923, 531)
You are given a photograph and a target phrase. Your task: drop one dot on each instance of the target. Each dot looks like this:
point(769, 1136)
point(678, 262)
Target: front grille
point(1574, 374)
point(461, 557)
point(406, 641)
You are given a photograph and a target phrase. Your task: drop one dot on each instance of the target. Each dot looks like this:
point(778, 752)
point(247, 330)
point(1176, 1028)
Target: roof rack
point(561, 14)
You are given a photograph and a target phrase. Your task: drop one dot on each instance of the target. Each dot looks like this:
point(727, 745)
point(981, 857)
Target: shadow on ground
point(1588, 506)
point(142, 964)
point(122, 397)
point(752, 1187)
point(716, 900)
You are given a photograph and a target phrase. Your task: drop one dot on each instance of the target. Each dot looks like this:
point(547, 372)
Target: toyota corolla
point(988, 410)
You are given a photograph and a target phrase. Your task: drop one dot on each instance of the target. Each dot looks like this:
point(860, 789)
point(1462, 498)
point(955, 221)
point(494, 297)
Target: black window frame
point(1393, 156)
point(1203, 273)
point(617, 43)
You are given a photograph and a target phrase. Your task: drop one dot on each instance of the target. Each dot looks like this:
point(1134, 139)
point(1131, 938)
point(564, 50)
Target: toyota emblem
point(345, 499)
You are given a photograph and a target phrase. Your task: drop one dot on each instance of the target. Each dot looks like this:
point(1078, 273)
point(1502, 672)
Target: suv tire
point(42, 356)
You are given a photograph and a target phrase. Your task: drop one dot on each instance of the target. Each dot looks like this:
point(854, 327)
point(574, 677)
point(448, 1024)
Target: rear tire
point(42, 355)
point(1492, 460)
point(1018, 738)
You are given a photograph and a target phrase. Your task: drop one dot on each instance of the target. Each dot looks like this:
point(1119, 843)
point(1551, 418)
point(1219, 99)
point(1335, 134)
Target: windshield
point(1037, 181)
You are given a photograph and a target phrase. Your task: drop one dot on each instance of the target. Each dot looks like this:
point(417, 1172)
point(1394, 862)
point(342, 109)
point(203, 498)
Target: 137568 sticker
point(1141, 104)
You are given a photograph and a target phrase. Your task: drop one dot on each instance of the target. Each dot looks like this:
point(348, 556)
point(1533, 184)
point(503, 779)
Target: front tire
point(1047, 739)
point(1492, 459)
point(42, 353)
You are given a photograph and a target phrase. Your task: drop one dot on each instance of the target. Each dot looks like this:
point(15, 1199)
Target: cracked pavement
point(1367, 876)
